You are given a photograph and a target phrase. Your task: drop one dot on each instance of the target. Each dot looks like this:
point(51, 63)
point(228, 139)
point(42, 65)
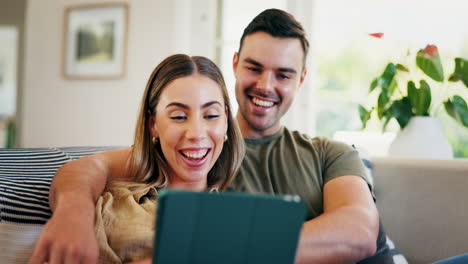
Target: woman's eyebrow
point(210, 103)
point(181, 105)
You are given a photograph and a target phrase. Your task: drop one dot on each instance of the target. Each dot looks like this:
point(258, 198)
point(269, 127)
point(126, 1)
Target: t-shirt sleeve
point(340, 159)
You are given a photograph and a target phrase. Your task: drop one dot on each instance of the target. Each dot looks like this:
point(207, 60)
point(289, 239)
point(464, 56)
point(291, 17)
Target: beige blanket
point(125, 224)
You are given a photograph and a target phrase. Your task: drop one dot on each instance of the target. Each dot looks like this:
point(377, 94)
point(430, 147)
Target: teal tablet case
point(206, 228)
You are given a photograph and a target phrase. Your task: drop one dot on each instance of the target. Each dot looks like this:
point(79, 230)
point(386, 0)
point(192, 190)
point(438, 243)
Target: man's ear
point(235, 62)
point(303, 76)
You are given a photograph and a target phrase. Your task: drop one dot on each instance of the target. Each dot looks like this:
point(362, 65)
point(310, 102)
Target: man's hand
point(68, 237)
point(347, 230)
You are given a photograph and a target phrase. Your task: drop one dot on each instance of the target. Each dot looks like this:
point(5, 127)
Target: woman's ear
point(151, 123)
point(226, 110)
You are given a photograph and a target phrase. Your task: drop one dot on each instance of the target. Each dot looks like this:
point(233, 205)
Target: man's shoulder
point(300, 136)
point(295, 140)
point(319, 143)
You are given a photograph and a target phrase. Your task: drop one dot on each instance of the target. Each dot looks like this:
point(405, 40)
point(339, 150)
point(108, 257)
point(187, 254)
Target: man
point(343, 222)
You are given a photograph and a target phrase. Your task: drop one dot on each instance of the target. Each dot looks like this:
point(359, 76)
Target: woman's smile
point(195, 157)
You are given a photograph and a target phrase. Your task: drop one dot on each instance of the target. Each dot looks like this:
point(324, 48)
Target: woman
point(186, 138)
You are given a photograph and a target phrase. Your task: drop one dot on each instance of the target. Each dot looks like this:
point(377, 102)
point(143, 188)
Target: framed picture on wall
point(95, 38)
point(8, 71)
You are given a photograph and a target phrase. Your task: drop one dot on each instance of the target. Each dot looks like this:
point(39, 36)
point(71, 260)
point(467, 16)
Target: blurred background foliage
point(343, 78)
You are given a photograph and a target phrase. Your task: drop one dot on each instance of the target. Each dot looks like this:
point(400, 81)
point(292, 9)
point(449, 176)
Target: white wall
point(58, 112)
point(301, 115)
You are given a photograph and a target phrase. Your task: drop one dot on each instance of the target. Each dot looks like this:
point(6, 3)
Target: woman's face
point(190, 124)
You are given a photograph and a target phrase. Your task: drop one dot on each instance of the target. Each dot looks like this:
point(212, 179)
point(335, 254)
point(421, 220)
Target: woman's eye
point(211, 116)
point(178, 118)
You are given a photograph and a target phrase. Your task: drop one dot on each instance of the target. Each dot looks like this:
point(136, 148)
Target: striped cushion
point(398, 258)
point(25, 177)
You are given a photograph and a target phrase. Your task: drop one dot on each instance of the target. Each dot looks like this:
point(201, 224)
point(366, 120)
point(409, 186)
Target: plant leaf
point(365, 115)
point(412, 94)
point(374, 84)
point(420, 99)
point(428, 61)
point(382, 103)
point(457, 108)
point(424, 98)
point(387, 76)
point(392, 87)
point(387, 117)
point(450, 108)
point(401, 110)
point(402, 67)
point(460, 72)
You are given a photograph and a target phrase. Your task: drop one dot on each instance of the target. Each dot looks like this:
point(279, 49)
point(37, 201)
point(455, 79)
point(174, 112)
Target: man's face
point(268, 71)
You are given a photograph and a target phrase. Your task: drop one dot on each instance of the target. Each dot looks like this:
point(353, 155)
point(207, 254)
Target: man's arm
point(347, 230)
point(68, 237)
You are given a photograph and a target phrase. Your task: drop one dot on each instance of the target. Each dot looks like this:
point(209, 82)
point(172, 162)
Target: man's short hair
point(277, 23)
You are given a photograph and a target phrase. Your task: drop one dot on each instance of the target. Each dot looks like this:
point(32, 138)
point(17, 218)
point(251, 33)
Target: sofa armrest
point(423, 205)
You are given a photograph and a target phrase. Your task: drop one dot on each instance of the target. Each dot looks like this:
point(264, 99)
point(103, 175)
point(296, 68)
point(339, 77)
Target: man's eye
point(178, 118)
point(283, 76)
point(253, 69)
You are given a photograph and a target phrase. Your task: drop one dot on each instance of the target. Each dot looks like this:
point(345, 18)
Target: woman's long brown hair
point(147, 163)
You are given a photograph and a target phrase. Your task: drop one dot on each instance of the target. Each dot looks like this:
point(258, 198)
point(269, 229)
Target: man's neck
point(251, 133)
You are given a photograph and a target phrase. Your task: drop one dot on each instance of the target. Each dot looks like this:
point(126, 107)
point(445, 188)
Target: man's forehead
point(275, 65)
point(272, 51)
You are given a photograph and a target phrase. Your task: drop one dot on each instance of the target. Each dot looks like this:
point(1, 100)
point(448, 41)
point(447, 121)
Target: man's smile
point(260, 102)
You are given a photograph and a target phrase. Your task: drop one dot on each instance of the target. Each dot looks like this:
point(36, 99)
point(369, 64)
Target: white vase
point(421, 138)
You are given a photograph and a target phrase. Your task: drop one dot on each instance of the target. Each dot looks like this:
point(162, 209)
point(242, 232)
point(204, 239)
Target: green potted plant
point(10, 133)
point(405, 92)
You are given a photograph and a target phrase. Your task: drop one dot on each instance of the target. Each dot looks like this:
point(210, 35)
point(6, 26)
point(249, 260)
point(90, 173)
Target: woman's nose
point(195, 129)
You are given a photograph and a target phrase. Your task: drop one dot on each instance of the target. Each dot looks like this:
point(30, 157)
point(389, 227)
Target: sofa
point(421, 202)
point(423, 205)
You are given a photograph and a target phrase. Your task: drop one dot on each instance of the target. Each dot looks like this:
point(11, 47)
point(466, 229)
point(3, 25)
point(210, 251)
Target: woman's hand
point(68, 237)
point(145, 261)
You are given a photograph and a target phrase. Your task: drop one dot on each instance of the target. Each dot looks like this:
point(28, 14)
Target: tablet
point(206, 228)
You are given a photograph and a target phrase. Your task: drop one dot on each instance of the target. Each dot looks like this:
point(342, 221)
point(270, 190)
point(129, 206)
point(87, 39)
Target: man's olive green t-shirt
point(295, 164)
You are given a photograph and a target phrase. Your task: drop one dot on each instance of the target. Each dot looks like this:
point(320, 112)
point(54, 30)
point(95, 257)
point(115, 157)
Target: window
point(347, 59)
point(344, 59)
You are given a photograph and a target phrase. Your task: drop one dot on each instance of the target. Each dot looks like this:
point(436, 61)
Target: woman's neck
point(188, 186)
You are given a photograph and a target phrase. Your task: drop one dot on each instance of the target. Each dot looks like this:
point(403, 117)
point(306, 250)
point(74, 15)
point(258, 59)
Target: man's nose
point(266, 81)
